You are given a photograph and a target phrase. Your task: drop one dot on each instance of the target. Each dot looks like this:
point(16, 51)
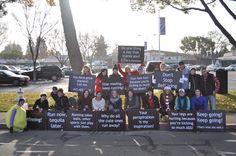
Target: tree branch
point(228, 9)
point(187, 9)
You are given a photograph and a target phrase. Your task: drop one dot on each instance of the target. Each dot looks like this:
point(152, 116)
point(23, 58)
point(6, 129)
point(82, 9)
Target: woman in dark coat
point(151, 101)
point(85, 101)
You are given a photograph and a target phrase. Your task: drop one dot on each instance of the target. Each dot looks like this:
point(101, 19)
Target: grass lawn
point(224, 102)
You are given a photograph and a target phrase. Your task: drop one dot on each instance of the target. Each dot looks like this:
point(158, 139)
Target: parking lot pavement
point(138, 143)
point(41, 86)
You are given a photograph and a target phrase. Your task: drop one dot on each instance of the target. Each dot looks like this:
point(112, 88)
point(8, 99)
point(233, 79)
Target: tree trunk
point(217, 23)
point(72, 45)
point(33, 60)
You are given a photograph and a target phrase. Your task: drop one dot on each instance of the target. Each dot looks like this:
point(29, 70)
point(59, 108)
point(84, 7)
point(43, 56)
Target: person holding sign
point(98, 81)
point(62, 103)
point(194, 82)
point(131, 101)
point(42, 103)
point(16, 117)
point(182, 102)
point(85, 101)
point(115, 73)
point(86, 71)
point(199, 102)
point(98, 103)
point(151, 100)
point(126, 73)
point(185, 75)
point(167, 101)
point(115, 102)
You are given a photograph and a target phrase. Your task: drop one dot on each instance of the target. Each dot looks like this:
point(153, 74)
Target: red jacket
point(126, 74)
point(98, 84)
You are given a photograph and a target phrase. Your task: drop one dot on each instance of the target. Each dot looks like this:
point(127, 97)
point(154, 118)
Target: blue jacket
point(182, 104)
point(199, 103)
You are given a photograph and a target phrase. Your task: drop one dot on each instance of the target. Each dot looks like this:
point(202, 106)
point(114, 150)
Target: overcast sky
point(120, 25)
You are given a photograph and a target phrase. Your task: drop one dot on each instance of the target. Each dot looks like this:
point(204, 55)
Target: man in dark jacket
point(209, 87)
point(195, 82)
point(41, 104)
point(62, 102)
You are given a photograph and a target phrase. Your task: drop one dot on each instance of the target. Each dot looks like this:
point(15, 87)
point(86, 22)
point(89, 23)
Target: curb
point(164, 126)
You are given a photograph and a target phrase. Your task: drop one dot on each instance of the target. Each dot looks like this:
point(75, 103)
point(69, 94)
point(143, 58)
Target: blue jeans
point(212, 101)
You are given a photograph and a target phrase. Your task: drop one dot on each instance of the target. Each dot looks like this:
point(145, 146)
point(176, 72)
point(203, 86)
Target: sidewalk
point(230, 121)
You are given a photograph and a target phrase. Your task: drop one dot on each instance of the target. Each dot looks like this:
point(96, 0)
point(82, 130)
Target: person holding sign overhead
point(126, 73)
point(131, 101)
point(98, 103)
point(151, 100)
point(42, 103)
point(115, 102)
point(182, 102)
point(167, 101)
point(85, 101)
point(199, 102)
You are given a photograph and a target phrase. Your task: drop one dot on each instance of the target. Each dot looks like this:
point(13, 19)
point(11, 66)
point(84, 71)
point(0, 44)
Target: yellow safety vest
point(20, 121)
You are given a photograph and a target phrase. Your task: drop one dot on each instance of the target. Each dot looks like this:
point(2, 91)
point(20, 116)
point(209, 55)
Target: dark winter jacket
point(195, 83)
point(208, 86)
point(62, 103)
point(41, 105)
point(147, 104)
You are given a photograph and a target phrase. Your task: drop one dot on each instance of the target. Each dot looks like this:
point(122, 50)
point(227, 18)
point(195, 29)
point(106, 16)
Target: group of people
point(195, 92)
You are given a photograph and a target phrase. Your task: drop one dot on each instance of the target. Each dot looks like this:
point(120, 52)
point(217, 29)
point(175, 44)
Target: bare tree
point(87, 47)
point(57, 46)
point(35, 24)
point(3, 33)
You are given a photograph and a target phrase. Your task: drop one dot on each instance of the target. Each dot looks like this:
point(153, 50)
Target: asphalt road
point(46, 86)
point(136, 143)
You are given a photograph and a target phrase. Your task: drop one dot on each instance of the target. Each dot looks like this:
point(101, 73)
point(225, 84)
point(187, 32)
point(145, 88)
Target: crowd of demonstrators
point(98, 102)
point(85, 101)
point(196, 92)
point(41, 104)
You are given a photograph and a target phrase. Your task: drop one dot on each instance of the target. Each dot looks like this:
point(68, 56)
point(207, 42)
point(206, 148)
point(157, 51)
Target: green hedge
point(224, 102)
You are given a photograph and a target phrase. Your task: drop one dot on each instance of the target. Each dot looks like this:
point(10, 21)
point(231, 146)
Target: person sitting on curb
point(182, 102)
point(199, 102)
point(115, 102)
point(151, 100)
point(98, 103)
point(62, 103)
point(41, 104)
point(16, 117)
point(131, 101)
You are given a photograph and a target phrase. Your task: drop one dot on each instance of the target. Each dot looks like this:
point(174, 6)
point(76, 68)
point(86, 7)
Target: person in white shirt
point(98, 102)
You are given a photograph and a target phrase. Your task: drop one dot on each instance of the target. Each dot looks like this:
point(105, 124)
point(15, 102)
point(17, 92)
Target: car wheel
point(15, 82)
point(54, 78)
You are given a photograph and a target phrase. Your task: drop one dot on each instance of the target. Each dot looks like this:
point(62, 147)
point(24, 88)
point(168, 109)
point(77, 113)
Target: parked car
point(8, 77)
point(197, 66)
point(151, 66)
point(213, 67)
point(46, 72)
point(67, 70)
point(231, 67)
point(11, 68)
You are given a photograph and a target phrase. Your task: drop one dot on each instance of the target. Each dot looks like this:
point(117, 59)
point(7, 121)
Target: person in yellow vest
point(16, 117)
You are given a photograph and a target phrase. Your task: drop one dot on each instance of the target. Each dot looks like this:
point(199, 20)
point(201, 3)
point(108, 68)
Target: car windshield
point(12, 67)
point(9, 73)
